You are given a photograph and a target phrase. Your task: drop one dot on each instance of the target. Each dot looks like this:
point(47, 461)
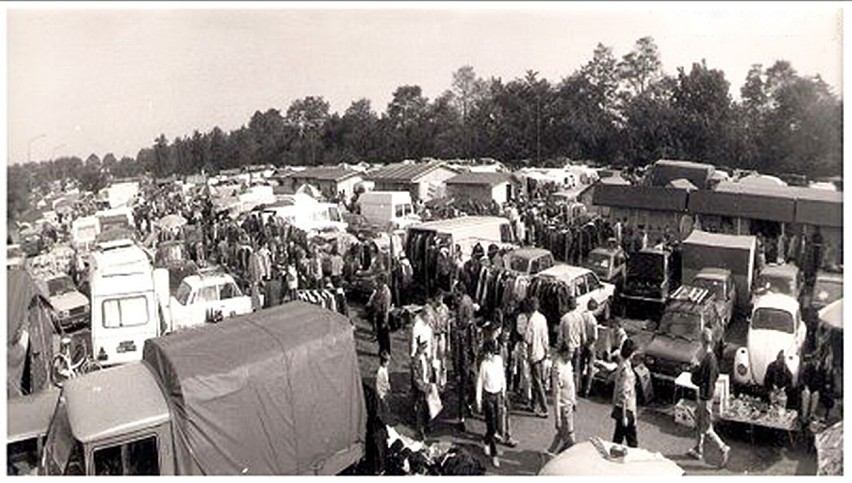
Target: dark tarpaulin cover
point(26, 309)
point(640, 197)
point(276, 392)
point(757, 205)
point(819, 207)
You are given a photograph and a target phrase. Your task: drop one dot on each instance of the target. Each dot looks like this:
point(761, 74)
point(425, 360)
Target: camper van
point(306, 213)
point(388, 208)
point(465, 232)
point(124, 306)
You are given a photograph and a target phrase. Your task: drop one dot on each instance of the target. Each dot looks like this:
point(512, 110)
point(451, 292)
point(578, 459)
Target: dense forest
point(613, 111)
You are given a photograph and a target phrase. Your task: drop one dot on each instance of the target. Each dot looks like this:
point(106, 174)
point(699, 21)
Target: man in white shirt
point(490, 387)
point(564, 400)
point(538, 347)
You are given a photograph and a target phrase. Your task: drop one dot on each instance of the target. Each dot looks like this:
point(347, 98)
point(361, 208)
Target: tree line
point(615, 111)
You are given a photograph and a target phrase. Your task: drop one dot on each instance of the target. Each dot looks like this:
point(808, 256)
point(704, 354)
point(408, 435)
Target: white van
point(384, 208)
point(307, 214)
point(465, 231)
point(124, 309)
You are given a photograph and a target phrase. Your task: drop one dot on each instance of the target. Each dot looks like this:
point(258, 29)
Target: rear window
point(773, 319)
point(646, 265)
point(777, 284)
point(125, 312)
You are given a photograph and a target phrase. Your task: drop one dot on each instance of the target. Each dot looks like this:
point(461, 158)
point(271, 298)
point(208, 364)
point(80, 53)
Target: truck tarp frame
point(276, 392)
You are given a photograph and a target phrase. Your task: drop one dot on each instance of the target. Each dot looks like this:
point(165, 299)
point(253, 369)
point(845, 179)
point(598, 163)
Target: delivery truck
point(736, 253)
point(388, 209)
point(275, 392)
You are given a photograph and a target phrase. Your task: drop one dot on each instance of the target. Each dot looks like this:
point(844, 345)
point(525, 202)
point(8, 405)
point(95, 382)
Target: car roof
point(114, 401)
point(565, 271)
point(462, 221)
point(529, 253)
point(207, 279)
point(714, 273)
point(830, 276)
point(777, 301)
point(785, 269)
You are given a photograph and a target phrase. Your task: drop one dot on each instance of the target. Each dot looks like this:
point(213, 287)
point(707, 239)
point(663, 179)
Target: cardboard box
point(684, 413)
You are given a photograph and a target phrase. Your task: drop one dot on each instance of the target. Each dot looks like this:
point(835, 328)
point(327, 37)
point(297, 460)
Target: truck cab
point(776, 324)
point(112, 422)
point(676, 344)
point(720, 282)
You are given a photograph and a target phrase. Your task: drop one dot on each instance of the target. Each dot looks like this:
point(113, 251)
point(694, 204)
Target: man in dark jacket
point(704, 377)
point(778, 380)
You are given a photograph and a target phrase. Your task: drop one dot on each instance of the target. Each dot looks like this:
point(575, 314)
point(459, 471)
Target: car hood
point(668, 348)
point(763, 347)
point(68, 301)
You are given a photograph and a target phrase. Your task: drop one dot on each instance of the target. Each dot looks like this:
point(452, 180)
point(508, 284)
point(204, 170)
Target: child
point(383, 387)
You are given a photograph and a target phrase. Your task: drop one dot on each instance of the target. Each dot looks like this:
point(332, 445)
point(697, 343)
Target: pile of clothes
point(410, 457)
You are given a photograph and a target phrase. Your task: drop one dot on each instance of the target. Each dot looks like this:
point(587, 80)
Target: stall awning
point(639, 197)
point(819, 207)
point(730, 199)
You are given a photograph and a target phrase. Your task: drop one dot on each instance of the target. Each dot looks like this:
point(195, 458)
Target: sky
point(99, 81)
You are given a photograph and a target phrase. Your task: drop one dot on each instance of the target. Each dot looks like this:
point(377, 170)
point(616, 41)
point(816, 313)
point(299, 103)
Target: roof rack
point(691, 294)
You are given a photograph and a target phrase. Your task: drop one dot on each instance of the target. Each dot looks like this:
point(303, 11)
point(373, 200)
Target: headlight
point(742, 369)
point(63, 314)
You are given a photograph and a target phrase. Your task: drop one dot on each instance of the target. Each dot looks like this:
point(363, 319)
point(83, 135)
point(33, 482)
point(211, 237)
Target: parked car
point(529, 261)
point(584, 286)
point(207, 297)
point(676, 344)
point(827, 289)
point(776, 324)
point(609, 264)
point(70, 307)
point(720, 282)
point(785, 279)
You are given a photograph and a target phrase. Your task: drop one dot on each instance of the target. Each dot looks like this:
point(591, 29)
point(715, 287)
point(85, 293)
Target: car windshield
point(646, 265)
point(716, 287)
point(772, 319)
point(776, 283)
point(183, 293)
point(599, 260)
point(60, 285)
point(827, 291)
point(681, 324)
point(519, 264)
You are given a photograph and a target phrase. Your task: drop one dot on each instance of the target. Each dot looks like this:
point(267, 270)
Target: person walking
point(572, 332)
point(462, 350)
point(538, 347)
point(587, 354)
point(564, 400)
point(420, 384)
point(704, 377)
point(383, 386)
point(490, 387)
point(624, 398)
point(380, 303)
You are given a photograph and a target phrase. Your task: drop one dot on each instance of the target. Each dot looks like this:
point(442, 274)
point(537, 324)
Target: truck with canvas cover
point(736, 253)
point(276, 392)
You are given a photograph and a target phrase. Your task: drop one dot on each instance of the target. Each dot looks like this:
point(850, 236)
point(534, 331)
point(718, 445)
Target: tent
point(29, 336)
point(832, 315)
point(275, 392)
